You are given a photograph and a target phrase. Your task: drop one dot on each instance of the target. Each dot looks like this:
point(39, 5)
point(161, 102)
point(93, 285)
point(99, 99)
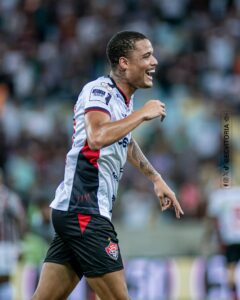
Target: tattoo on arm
point(138, 159)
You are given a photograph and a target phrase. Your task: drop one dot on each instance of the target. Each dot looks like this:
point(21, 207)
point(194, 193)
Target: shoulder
point(98, 90)
point(102, 83)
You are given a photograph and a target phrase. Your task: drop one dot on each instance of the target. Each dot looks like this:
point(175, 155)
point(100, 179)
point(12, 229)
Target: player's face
point(141, 65)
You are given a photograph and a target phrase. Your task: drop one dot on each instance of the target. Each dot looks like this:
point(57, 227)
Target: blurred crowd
point(50, 48)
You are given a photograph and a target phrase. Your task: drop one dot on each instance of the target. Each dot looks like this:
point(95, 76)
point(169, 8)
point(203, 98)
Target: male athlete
point(224, 221)
point(85, 242)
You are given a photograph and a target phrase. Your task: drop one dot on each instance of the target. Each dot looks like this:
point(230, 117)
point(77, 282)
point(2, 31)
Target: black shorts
point(87, 242)
point(232, 253)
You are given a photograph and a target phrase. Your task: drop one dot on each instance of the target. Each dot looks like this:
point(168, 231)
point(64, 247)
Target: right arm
point(101, 131)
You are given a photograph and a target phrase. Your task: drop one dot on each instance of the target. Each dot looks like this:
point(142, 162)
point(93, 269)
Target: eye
point(147, 55)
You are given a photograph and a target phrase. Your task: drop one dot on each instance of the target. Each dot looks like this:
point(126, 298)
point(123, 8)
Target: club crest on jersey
point(107, 86)
point(112, 250)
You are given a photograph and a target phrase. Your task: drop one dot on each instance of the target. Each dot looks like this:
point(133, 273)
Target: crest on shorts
point(112, 250)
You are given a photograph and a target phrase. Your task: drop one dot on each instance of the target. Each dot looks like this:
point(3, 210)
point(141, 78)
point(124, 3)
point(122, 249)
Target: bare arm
point(164, 193)
point(139, 160)
point(101, 131)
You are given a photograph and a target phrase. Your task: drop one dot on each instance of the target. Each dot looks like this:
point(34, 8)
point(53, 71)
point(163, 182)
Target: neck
point(122, 83)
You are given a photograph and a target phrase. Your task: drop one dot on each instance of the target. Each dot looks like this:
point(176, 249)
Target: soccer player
point(86, 242)
point(224, 219)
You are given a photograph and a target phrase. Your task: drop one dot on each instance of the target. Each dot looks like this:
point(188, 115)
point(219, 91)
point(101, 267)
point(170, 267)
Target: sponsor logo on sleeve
point(98, 92)
point(99, 95)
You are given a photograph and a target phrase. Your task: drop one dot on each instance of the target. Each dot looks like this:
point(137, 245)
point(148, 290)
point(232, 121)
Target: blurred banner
point(182, 278)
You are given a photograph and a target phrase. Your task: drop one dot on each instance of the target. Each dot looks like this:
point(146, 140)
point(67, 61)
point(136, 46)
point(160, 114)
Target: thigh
point(110, 286)
point(56, 282)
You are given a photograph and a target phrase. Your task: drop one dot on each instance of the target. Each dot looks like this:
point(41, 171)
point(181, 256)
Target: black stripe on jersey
point(85, 183)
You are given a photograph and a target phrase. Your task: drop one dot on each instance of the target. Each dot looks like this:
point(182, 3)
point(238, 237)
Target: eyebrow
point(147, 53)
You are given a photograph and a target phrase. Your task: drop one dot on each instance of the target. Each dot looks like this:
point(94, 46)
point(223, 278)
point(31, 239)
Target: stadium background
point(48, 50)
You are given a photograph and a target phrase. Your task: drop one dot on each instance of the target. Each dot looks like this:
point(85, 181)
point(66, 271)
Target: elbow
point(95, 143)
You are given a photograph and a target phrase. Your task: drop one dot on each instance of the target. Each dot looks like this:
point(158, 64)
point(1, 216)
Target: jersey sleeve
point(97, 99)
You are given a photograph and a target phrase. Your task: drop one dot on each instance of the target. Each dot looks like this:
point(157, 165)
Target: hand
point(153, 109)
point(167, 197)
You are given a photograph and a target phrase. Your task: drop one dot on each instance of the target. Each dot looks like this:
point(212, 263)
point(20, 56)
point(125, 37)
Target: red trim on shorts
point(83, 221)
point(91, 155)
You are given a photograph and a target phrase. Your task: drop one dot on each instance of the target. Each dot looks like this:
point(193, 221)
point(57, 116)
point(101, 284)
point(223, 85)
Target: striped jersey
point(224, 204)
point(12, 216)
point(91, 177)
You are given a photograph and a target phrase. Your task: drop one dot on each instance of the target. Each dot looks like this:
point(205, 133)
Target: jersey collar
point(126, 99)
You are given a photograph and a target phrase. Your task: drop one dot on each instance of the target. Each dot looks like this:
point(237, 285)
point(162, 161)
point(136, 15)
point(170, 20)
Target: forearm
point(138, 160)
point(164, 193)
point(110, 132)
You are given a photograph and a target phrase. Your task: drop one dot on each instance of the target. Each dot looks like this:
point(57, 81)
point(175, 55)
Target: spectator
point(12, 226)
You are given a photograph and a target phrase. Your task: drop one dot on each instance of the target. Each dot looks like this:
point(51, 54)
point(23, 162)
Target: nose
point(154, 61)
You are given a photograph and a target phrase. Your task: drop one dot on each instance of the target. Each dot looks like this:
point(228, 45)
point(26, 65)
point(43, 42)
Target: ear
point(123, 63)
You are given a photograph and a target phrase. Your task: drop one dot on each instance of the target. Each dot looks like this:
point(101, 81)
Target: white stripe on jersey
point(224, 204)
point(91, 177)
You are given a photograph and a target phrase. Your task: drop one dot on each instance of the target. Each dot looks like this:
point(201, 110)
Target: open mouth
point(150, 74)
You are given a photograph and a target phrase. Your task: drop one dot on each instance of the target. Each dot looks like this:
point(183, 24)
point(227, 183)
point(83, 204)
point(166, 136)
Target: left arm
point(164, 193)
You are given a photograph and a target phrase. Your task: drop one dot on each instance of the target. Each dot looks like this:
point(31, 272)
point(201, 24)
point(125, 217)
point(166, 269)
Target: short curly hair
point(121, 44)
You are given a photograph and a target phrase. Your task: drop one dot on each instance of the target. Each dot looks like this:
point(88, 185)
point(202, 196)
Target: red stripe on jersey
point(97, 109)
point(127, 100)
point(91, 155)
point(83, 221)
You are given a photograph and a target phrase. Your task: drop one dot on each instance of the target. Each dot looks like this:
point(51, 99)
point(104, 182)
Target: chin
point(148, 84)
point(144, 85)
